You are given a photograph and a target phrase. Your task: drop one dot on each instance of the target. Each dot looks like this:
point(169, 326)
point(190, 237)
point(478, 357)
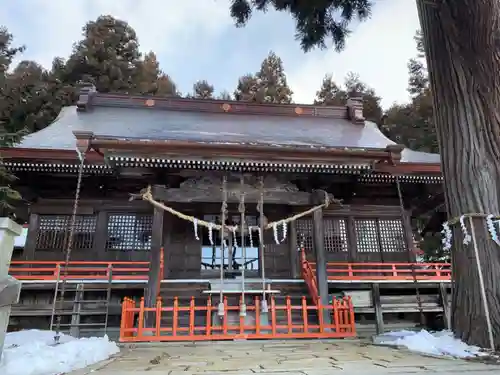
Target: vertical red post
point(305, 317)
point(141, 319)
point(242, 318)
point(273, 316)
point(289, 314)
point(158, 317)
point(175, 316)
point(257, 315)
point(123, 322)
point(191, 316)
point(335, 306)
point(209, 317)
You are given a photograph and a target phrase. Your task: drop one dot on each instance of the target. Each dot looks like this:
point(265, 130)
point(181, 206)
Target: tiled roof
point(148, 124)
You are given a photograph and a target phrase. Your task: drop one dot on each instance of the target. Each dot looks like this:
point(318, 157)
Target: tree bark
point(462, 40)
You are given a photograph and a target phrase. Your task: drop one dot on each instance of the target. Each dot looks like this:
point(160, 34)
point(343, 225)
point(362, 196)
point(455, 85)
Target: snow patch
point(437, 343)
point(32, 352)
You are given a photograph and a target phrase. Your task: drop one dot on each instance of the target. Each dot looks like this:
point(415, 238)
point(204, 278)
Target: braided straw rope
point(147, 195)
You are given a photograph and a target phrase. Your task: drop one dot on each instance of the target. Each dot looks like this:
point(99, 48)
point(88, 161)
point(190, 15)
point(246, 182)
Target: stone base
point(4, 323)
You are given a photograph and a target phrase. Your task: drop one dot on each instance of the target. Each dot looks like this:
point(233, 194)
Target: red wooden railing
point(387, 271)
point(193, 321)
point(88, 270)
point(309, 276)
point(48, 270)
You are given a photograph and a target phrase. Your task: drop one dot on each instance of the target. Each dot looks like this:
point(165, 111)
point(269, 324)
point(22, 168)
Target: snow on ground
point(32, 352)
point(437, 343)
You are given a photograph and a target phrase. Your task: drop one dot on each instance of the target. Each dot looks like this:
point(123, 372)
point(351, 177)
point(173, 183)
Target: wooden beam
point(49, 155)
point(212, 195)
point(428, 205)
point(319, 251)
point(408, 168)
point(171, 148)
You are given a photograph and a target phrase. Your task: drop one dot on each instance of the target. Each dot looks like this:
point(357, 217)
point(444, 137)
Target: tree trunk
point(462, 43)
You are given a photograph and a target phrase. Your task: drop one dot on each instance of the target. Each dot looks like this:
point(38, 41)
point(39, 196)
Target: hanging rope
point(69, 246)
point(222, 245)
point(410, 258)
point(147, 195)
point(241, 209)
point(260, 208)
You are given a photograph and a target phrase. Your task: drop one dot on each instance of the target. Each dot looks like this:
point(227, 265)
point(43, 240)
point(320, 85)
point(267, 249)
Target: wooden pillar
point(408, 234)
point(152, 288)
point(379, 317)
point(319, 250)
point(351, 239)
point(100, 237)
point(30, 244)
point(294, 252)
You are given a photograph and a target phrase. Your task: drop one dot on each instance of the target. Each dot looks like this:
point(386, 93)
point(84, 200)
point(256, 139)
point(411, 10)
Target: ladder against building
point(81, 308)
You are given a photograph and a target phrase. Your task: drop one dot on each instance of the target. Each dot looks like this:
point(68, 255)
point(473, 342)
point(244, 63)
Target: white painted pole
point(481, 286)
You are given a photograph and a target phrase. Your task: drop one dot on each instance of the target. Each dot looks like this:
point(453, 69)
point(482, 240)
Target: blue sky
point(196, 39)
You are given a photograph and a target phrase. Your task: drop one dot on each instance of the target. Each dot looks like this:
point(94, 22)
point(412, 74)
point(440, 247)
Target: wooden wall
point(352, 233)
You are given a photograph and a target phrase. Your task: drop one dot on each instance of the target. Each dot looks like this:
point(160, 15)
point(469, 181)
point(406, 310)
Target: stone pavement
point(297, 357)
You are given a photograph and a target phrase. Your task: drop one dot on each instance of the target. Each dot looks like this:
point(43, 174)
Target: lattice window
point(379, 235)
point(54, 230)
point(304, 229)
point(392, 236)
point(335, 235)
point(129, 232)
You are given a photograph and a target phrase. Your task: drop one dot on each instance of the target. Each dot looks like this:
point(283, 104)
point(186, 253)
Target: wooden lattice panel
point(379, 235)
point(366, 236)
point(392, 237)
point(54, 230)
point(304, 229)
point(129, 232)
point(335, 235)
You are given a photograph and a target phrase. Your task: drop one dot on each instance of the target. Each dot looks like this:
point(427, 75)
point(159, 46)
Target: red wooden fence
point(195, 322)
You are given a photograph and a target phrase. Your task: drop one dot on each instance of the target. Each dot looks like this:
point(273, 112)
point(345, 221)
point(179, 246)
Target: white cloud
point(162, 25)
point(378, 50)
point(196, 39)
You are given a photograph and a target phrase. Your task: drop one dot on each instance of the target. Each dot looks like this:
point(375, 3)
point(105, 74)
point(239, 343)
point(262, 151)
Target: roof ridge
point(90, 98)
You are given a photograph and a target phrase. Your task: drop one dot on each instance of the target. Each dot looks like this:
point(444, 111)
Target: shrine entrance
point(240, 253)
point(239, 303)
